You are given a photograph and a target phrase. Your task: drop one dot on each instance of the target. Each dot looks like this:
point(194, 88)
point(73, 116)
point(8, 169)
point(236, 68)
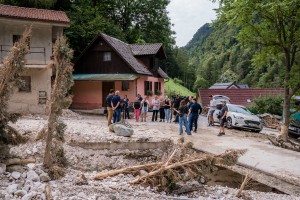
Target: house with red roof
point(46, 25)
point(108, 63)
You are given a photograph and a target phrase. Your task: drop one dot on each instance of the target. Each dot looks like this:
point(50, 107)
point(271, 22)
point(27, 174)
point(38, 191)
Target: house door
point(106, 86)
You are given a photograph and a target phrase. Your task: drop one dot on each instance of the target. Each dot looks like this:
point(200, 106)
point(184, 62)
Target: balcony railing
point(36, 56)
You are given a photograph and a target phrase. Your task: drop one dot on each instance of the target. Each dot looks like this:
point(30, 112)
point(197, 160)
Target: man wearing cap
point(222, 115)
point(212, 108)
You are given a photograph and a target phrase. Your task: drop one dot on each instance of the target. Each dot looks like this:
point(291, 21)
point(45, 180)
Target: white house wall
point(43, 34)
point(40, 41)
point(28, 102)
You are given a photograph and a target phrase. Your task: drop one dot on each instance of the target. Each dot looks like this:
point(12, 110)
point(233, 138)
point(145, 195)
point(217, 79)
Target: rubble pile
point(67, 113)
point(270, 121)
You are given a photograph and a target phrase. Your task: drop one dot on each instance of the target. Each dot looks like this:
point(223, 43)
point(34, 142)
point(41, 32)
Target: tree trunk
point(287, 101)
point(48, 159)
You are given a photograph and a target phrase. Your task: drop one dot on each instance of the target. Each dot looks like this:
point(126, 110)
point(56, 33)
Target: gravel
point(31, 183)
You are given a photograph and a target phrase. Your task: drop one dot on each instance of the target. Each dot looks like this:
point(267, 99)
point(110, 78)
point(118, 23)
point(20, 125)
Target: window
point(16, 38)
point(107, 56)
point(157, 86)
point(154, 63)
point(125, 85)
point(26, 86)
point(148, 87)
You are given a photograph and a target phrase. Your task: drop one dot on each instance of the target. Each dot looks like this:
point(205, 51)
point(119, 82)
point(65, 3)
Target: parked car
point(240, 117)
point(294, 128)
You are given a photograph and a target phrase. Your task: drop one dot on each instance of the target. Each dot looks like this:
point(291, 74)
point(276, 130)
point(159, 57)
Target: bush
point(157, 92)
point(267, 104)
point(178, 81)
point(149, 93)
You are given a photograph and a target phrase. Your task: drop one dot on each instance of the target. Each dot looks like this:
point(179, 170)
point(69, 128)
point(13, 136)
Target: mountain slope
point(217, 56)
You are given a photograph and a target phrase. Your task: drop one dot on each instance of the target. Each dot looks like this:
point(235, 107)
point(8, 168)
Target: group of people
point(185, 110)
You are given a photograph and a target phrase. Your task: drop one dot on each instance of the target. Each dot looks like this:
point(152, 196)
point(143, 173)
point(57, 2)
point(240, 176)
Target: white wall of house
point(29, 102)
point(41, 41)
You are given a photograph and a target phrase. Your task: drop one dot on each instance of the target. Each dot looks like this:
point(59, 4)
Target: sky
point(188, 16)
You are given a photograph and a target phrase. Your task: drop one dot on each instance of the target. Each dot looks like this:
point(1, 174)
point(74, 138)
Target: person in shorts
point(222, 117)
point(212, 108)
point(144, 110)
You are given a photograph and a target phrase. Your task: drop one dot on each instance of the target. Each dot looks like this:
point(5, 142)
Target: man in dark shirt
point(140, 98)
point(194, 112)
point(176, 106)
point(223, 114)
point(116, 107)
point(108, 105)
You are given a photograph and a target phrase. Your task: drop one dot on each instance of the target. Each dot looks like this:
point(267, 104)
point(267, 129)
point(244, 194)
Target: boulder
point(2, 168)
point(12, 188)
point(44, 177)
point(29, 196)
point(15, 168)
point(20, 193)
point(16, 175)
point(32, 175)
point(121, 130)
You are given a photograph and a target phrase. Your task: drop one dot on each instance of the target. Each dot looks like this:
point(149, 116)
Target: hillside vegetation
point(217, 56)
point(174, 88)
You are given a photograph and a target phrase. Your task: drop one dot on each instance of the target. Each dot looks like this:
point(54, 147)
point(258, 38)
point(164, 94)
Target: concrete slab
point(260, 155)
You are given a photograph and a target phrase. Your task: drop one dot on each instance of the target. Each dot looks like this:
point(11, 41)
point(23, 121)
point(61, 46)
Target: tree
point(54, 153)
point(13, 66)
point(31, 3)
point(86, 22)
point(273, 26)
point(140, 19)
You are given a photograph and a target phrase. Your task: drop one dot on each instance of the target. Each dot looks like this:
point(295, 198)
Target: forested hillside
point(218, 57)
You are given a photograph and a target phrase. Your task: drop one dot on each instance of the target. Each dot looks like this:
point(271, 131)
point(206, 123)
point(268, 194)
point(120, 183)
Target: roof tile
point(34, 14)
point(145, 49)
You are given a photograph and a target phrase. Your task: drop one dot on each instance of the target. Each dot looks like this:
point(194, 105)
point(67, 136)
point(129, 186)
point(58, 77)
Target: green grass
point(172, 88)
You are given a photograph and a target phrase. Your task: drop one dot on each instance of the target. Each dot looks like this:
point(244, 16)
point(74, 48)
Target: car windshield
point(239, 109)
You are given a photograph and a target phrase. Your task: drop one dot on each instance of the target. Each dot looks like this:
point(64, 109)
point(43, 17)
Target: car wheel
point(257, 131)
point(229, 122)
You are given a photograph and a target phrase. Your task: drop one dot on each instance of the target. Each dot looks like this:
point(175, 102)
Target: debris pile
point(270, 121)
point(181, 165)
point(69, 114)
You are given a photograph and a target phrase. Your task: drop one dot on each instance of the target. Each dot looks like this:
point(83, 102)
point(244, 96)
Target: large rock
point(20, 193)
point(29, 196)
point(2, 168)
point(12, 188)
point(15, 168)
point(121, 130)
point(32, 175)
point(44, 177)
point(16, 175)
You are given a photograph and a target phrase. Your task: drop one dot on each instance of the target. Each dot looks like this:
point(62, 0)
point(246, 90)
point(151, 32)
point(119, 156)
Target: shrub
point(157, 92)
point(267, 104)
point(149, 93)
point(178, 81)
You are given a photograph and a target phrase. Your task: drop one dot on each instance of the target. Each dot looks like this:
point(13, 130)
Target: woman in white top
point(155, 104)
point(145, 106)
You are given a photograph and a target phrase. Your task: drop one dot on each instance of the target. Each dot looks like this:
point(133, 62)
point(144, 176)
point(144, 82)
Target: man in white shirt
point(155, 104)
point(212, 108)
